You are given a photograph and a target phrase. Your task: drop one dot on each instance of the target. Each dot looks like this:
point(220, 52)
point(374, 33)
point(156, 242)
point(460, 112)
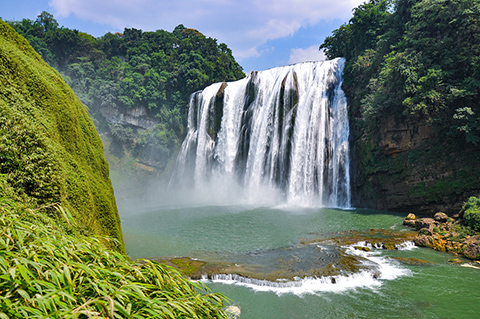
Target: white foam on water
point(407, 245)
point(379, 269)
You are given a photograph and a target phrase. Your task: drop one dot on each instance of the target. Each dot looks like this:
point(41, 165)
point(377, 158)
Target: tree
point(414, 58)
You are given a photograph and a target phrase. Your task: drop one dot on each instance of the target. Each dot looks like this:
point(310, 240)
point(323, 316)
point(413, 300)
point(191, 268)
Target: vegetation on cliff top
point(414, 59)
point(157, 71)
point(50, 151)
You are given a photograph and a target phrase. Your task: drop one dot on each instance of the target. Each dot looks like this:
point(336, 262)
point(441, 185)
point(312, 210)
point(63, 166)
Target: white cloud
point(309, 54)
point(245, 25)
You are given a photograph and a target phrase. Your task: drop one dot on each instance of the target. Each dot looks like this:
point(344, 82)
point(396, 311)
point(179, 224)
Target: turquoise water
point(435, 290)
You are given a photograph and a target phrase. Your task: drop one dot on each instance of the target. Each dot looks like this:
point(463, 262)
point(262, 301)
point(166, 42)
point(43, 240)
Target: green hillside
point(50, 151)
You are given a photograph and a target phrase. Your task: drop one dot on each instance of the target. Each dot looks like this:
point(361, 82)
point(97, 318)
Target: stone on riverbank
point(411, 216)
point(428, 223)
point(441, 217)
point(473, 250)
point(410, 220)
point(443, 233)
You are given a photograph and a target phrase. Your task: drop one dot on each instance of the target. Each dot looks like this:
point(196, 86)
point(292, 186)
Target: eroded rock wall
point(405, 167)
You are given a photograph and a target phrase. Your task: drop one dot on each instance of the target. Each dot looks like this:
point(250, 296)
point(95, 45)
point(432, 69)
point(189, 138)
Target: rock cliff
point(136, 117)
point(405, 166)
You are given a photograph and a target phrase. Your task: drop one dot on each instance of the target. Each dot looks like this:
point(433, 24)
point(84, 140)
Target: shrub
point(46, 273)
point(472, 213)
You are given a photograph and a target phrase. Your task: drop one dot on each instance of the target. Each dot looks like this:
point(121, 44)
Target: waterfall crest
point(284, 129)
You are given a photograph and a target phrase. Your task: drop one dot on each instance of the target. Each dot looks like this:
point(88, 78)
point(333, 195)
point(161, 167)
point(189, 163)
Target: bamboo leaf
point(25, 273)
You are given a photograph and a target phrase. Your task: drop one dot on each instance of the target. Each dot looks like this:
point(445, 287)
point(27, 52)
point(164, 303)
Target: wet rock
point(409, 223)
point(411, 216)
point(422, 240)
point(425, 223)
point(454, 247)
point(413, 261)
point(473, 250)
point(438, 243)
point(441, 217)
point(362, 248)
point(455, 261)
point(389, 246)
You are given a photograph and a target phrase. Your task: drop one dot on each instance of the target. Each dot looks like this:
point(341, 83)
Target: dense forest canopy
point(413, 59)
point(154, 70)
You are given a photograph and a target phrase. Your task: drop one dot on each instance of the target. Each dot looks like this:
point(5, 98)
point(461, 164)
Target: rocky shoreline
point(444, 233)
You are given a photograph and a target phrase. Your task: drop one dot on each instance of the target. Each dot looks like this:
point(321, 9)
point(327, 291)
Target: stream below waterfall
point(388, 287)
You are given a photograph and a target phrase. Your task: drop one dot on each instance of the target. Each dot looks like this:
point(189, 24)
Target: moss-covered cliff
point(50, 151)
point(51, 158)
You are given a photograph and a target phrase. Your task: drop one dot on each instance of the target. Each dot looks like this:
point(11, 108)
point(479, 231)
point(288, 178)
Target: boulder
point(441, 217)
point(409, 223)
point(425, 223)
point(233, 311)
point(473, 250)
point(422, 240)
point(410, 220)
point(425, 231)
point(389, 246)
point(411, 216)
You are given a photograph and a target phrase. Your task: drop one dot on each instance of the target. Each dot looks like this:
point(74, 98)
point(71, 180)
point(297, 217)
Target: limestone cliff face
point(136, 117)
point(406, 167)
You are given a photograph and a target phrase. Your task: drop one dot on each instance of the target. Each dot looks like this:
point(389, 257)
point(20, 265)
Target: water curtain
point(285, 128)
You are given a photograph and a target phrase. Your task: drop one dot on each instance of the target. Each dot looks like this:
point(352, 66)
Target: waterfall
point(284, 129)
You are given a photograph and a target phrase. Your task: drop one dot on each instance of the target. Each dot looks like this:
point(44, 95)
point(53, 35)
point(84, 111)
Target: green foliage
point(462, 232)
point(471, 213)
point(49, 148)
point(46, 273)
point(156, 71)
point(414, 58)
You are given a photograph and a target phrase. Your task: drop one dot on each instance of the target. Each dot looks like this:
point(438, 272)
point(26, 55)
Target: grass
point(46, 273)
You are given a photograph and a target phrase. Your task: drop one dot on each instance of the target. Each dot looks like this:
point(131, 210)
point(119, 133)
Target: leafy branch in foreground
point(47, 273)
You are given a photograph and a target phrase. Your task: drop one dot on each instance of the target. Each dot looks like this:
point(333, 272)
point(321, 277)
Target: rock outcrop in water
point(446, 234)
point(285, 129)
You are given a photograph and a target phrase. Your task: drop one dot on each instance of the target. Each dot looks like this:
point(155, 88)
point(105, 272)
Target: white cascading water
point(285, 129)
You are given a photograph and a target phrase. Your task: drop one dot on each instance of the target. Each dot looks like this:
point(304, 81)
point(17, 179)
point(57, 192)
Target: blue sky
point(261, 33)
